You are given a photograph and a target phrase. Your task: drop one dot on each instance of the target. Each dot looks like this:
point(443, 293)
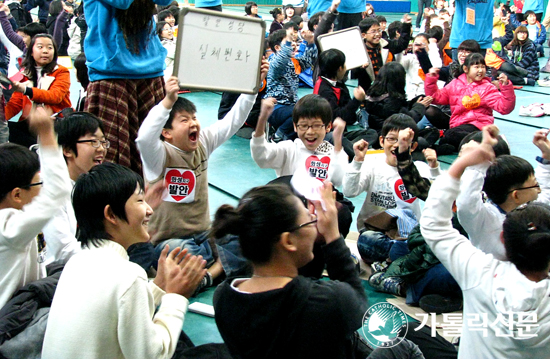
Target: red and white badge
point(180, 185)
point(402, 193)
point(318, 167)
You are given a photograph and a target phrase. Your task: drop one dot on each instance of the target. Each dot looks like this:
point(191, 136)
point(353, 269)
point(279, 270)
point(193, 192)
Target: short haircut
point(33, 29)
point(291, 24)
point(381, 18)
point(164, 14)
point(71, 128)
point(18, 165)
point(81, 70)
point(330, 61)
point(106, 184)
point(528, 12)
point(526, 235)
point(181, 104)
point(398, 122)
point(262, 215)
point(367, 23)
point(175, 13)
point(443, 11)
point(470, 45)
point(506, 173)
point(501, 148)
point(436, 32)
point(312, 106)
point(393, 29)
point(474, 59)
point(314, 20)
point(297, 19)
point(248, 6)
point(276, 38)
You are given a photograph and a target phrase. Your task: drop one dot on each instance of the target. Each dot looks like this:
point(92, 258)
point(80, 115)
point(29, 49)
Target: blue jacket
point(525, 56)
point(43, 8)
point(282, 79)
point(106, 52)
point(541, 30)
point(481, 31)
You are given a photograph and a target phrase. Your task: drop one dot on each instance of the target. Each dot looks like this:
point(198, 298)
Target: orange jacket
point(56, 95)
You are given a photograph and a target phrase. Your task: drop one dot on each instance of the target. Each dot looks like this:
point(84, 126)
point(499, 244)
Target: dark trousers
point(421, 5)
point(348, 20)
point(455, 135)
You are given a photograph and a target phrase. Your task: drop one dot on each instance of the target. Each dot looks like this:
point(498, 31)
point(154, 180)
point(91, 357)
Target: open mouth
point(193, 136)
point(311, 141)
point(98, 161)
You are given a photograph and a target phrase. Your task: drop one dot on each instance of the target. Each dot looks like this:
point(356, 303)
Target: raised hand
point(541, 141)
point(360, 149)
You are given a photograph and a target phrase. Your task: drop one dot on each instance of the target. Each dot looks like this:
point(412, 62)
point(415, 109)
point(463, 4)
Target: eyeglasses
point(314, 220)
point(32, 185)
point(464, 52)
point(519, 189)
point(391, 140)
point(95, 143)
point(316, 127)
point(374, 32)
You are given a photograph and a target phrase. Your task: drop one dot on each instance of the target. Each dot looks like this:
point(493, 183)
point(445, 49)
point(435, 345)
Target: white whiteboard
point(217, 51)
point(350, 42)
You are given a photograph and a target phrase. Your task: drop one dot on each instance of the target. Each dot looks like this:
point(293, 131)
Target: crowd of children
point(116, 194)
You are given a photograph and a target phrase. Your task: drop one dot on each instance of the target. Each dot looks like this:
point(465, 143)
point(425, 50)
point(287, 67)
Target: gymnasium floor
point(232, 171)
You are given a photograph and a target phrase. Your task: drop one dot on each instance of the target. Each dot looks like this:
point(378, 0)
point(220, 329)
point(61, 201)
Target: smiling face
point(289, 12)
point(185, 131)
point(475, 73)
point(254, 10)
point(532, 19)
point(167, 32)
point(306, 235)
point(528, 191)
point(311, 131)
point(373, 36)
point(462, 55)
point(87, 157)
point(43, 51)
point(171, 20)
point(135, 227)
point(390, 145)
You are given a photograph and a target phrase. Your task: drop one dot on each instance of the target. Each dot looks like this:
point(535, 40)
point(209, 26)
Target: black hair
point(398, 122)
point(79, 9)
point(474, 59)
point(504, 174)
point(262, 215)
point(436, 32)
point(30, 64)
point(443, 11)
point(501, 148)
point(470, 45)
point(288, 7)
point(291, 24)
point(56, 7)
point(381, 18)
point(367, 23)
point(424, 35)
point(164, 14)
point(276, 11)
point(526, 235)
point(105, 184)
point(393, 29)
point(527, 13)
point(390, 80)
point(33, 29)
point(248, 6)
point(76, 125)
point(160, 27)
point(314, 20)
point(297, 19)
point(18, 165)
point(330, 61)
point(81, 70)
point(275, 38)
point(175, 10)
point(312, 106)
point(136, 24)
point(181, 104)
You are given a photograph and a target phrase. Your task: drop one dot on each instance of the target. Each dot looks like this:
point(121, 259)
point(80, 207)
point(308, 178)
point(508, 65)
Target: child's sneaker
point(546, 108)
point(391, 285)
point(544, 82)
point(533, 110)
point(379, 266)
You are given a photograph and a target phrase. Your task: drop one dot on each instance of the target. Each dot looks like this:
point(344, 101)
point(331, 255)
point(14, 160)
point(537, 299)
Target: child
point(383, 23)
point(282, 79)
point(472, 98)
point(289, 13)
point(523, 55)
point(251, 9)
point(175, 150)
point(119, 318)
point(508, 183)
point(277, 23)
point(537, 32)
point(84, 145)
point(49, 87)
point(507, 294)
point(166, 35)
point(379, 176)
point(25, 207)
point(312, 117)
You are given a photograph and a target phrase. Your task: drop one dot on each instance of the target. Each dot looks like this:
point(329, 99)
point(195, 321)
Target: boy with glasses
point(31, 193)
point(84, 145)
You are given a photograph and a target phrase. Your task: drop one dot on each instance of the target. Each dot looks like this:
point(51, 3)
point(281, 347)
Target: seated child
point(103, 297)
point(84, 145)
point(472, 98)
point(536, 32)
point(508, 182)
point(282, 79)
point(379, 177)
point(511, 296)
point(175, 149)
point(26, 207)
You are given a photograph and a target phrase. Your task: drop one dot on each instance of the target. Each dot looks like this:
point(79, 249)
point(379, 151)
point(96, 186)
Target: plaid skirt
point(122, 105)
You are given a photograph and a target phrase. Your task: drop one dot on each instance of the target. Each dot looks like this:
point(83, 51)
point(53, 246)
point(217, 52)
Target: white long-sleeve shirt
point(415, 83)
point(104, 307)
point(491, 288)
point(288, 156)
point(19, 257)
point(483, 221)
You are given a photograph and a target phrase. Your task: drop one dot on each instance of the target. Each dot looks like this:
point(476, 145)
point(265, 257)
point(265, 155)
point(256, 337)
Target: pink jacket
point(472, 103)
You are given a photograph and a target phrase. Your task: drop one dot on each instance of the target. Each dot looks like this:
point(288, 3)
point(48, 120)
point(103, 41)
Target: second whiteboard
point(348, 41)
